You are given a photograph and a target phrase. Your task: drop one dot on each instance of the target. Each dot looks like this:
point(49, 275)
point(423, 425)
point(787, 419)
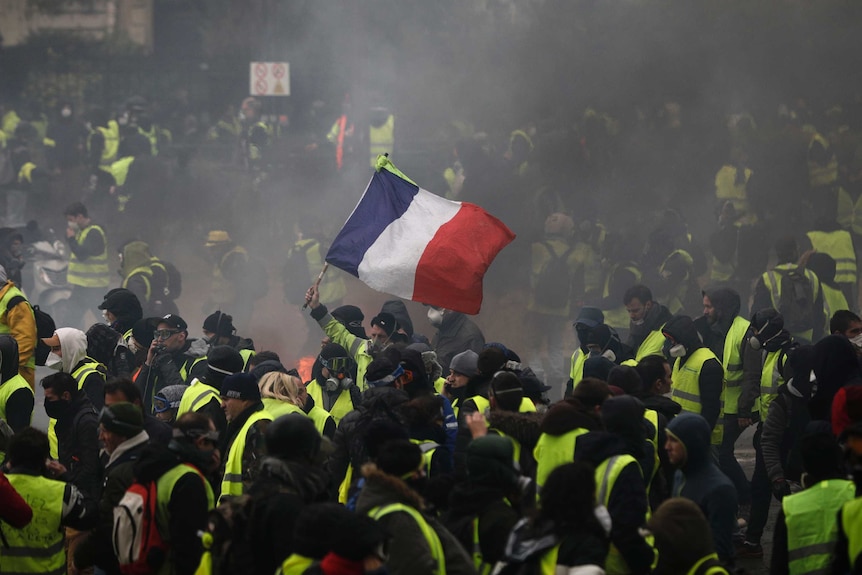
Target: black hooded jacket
point(19, 405)
point(711, 378)
point(835, 365)
point(456, 334)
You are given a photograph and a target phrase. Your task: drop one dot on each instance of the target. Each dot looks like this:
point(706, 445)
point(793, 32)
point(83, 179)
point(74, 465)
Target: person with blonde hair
point(280, 393)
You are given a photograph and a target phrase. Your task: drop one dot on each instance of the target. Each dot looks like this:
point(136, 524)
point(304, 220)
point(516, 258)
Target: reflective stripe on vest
point(165, 487)
point(232, 482)
point(276, 407)
point(552, 451)
point(715, 568)
point(146, 274)
point(811, 527)
point(732, 363)
point(428, 449)
point(320, 417)
point(38, 547)
point(434, 545)
point(770, 380)
point(188, 366)
point(92, 272)
point(839, 245)
point(196, 396)
point(342, 406)
point(5, 328)
point(651, 345)
point(381, 140)
point(606, 474)
point(851, 524)
point(246, 355)
point(577, 371)
point(686, 387)
point(651, 415)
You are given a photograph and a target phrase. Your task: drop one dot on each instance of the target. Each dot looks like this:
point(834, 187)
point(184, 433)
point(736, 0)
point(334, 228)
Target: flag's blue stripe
point(386, 200)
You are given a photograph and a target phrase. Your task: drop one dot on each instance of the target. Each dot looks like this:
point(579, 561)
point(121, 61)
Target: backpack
point(138, 545)
point(295, 276)
point(45, 328)
point(554, 286)
point(173, 280)
point(796, 303)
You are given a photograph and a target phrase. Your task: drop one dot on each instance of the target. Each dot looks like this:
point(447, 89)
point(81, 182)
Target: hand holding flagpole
point(312, 292)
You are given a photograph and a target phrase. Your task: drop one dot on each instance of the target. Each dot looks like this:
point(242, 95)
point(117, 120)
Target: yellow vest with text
point(552, 451)
point(12, 292)
point(811, 527)
point(94, 271)
point(38, 547)
point(381, 140)
point(686, 387)
point(232, 481)
point(342, 406)
point(732, 363)
point(839, 245)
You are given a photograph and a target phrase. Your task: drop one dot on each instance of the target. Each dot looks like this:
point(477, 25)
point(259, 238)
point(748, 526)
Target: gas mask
point(241, 116)
point(207, 339)
point(435, 316)
point(755, 341)
point(606, 353)
point(339, 373)
point(677, 350)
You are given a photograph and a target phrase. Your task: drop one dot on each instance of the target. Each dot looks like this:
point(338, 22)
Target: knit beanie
point(122, 418)
point(170, 397)
point(223, 360)
point(465, 363)
point(351, 317)
point(220, 324)
point(240, 386)
point(490, 462)
point(399, 457)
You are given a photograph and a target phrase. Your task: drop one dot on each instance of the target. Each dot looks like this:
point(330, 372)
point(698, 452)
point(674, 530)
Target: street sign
point(269, 79)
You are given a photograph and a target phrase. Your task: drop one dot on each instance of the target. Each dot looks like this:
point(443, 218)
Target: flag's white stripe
point(389, 265)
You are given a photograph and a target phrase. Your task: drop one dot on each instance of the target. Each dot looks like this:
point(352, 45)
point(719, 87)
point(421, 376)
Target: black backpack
point(554, 285)
point(172, 279)
point(796, 302)
point(45, 327)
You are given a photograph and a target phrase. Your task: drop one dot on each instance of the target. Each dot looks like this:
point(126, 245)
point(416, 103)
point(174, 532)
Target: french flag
point(408, 242)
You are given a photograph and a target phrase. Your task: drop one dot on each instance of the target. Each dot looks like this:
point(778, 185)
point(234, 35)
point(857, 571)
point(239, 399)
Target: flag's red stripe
point(450, 270)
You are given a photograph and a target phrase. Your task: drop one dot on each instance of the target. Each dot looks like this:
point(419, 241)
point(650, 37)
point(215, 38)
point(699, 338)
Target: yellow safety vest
point(94, 271)
point(821, 175)
point(246, 355)
point(686, 387)
point(320, 417)
point(607, 473)
point(653, 344)
point(770, 380)
point(342, 406)
point(483, 403)
point(552, 451)
point(7, 388)
point(849, 212)
point(196, 396)
point(111, 135)
point(5, 329)
point(81, 374)
point(295, 565)
point(381, 140)
point(232, 482)
point(726, 189)
point(276, 407)
point(578, 360)
point(651, 416)
point(851, 524)
point(153, 137)
point(120, 169)
point(165, 488)
point(839, 245)
point(811, 528)
point(38, 547)
point(434, 544)
point(833, 300)
point(772, 281)
point(146, 274)
point(732, 363)
point(713, 570)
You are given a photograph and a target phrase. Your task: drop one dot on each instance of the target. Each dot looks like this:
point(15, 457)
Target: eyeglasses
point(337, 364)
point(163, 334)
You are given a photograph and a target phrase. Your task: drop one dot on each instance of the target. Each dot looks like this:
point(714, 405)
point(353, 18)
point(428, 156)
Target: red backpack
point(138, 545)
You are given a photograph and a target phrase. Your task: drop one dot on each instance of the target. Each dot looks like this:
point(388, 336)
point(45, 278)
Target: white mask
point(638, 321)
point(857, 341)
point(54, 362)
point(105, 316)
point(435, 317)
point(677, 351)
point(74, 226)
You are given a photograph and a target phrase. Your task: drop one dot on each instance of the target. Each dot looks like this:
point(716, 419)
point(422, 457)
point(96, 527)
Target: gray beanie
point(466, 363)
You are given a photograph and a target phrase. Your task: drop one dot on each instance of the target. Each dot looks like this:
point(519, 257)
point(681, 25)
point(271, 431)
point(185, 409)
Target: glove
point(780, 488)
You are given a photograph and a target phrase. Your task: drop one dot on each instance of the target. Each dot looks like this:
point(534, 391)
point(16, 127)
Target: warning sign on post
point(269, 79)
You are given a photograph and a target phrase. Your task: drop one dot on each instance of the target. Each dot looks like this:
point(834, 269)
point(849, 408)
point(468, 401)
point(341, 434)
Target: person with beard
point(455, 333)
point(289, 479)
point(183, 470)
point(332, 384)
point(125, 391)
point(617, 454)
point(481, 514)
point(16, 396)
point(419, 545)
point(203, 393)
point(647, 317)
point(121, 309)
point(383, 400)
point(726, 333)
point(218, 329)
point(700, 480)
point(243, 443)
point(698, 377)
point(563, 425)
point(108, 347)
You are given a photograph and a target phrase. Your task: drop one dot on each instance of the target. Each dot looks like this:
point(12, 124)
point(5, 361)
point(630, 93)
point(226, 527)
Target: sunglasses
point(165, 333)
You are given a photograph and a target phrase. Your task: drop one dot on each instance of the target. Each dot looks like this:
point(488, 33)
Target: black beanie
point(220, 324)
point(490, 462)
point(399, 457)
point(351, 317)
point(223, 360)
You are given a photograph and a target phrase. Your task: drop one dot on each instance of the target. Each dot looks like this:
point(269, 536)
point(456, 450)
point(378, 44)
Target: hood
point(452, 320)
point(196, 348)
point(727, 303)
point(399, 311)
point(835, 361)
point(383, 398)
point(102, 342)
point(597, 446)
point(8, 357)
point(624, 416)
point(657, 315)
point(567, 415)
point(693, 431)
point(664, 405)
point(73, 343)
point(240, 343)
point(135, 254)
point(382, 489)
point(682, 330)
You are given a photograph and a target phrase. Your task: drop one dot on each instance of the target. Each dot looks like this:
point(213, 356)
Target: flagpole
point(319, 278)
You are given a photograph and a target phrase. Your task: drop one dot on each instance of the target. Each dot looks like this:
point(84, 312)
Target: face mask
point(66, 112)
point(638, 321)
point(105, 316)
point(857, 341)
point(207, 339)
point(334, 384)
point(677, 351)
point(57, 409)
point(54, 361)
point(435, 317)
point(73, 226)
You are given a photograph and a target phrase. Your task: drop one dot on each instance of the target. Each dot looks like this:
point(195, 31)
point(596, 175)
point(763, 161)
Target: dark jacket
point(753, 361)
point(158, 430)
point(495, 515)
point(835, 365)
point(456, 334)
point(165, 371)
point(19, 405)
point(727, 305)
point(782, 430)
point(281, 491)
point(409, 553)
point(627, 504)
point(255, 449)
point(107, 346)
point(653, 320)
point(700, 480)
point(520, 427)
point(78, 446)
point(578, 545)
point(97, 548)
